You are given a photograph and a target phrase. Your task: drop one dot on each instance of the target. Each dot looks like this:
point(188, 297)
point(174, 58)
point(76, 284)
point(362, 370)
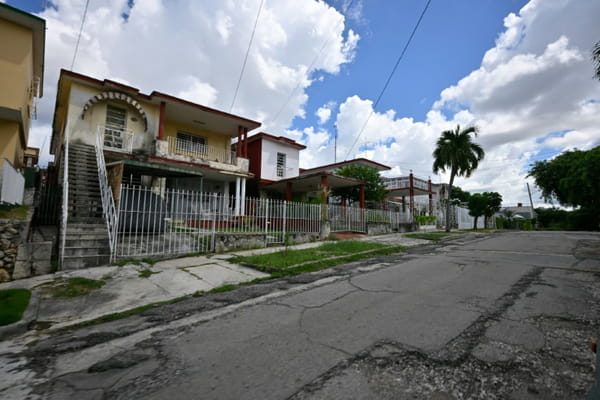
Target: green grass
point(146, 273)
point(429, 236)
point(285, 259)
point(19, 212)
point(13, 303)
point(77, 286)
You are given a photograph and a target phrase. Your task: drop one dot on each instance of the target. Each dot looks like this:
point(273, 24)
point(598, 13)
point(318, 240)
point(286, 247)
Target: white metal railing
point(65, 199)
point(116, 139)
point(12, 184)
point(192, 149)
point(106, 194)
point(404, 182)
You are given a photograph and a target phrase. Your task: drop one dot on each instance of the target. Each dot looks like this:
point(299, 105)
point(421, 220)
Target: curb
point(20, 327)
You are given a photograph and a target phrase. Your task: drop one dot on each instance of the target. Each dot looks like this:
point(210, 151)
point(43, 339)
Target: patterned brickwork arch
point(116, 96)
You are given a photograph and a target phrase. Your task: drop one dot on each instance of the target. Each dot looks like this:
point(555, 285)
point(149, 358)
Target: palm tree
point(455, 151)
point(596, 59)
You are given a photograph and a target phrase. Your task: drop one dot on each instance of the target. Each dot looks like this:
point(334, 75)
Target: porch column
point(324, 189)
point(411, 191)
point(245, 143)
point(430, 197)
point(236, 210)
point(243, 197)
point(161, 121)
point(238, 147)
point(362, 196)
point(403, 204)
point(343, 207)
point(288, 191)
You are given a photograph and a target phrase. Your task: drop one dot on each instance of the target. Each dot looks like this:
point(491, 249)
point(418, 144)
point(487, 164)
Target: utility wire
point(389, 77)
point(246, 57)
point(325, 43)
point(87, 3)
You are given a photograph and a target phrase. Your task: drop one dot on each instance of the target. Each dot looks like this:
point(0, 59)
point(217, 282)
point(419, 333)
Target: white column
point(237, 196)
point(243, 197)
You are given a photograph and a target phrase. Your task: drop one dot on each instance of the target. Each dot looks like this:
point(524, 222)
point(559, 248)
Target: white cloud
point(195, 49)
point(324, 113)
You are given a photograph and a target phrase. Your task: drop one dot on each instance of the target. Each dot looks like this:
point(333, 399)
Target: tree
point(494, 200)
point(572, 178)
point(459, 195)
point(477, 206)
point(375, 189)
point(596, 59)
point(455, 151)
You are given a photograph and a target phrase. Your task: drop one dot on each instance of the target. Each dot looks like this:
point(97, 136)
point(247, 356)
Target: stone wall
point(18, 258)
point(13, 233)
point(225, 242)
point(378, 228)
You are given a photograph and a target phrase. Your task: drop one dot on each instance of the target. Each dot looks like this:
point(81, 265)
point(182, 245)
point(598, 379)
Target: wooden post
point(362, 196)
point(411, 191)
point(161, 121)
point(288, 191)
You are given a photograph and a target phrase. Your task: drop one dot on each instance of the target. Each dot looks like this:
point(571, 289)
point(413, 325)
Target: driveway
point(508, 315)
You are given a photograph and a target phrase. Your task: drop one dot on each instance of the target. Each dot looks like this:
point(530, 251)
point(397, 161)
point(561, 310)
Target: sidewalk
point(125, 289)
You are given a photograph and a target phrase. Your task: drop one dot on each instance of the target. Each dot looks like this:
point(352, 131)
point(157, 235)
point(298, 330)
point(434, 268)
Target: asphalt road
point(508, 315)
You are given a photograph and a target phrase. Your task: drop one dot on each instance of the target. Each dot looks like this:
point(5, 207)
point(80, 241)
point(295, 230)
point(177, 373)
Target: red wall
point(254, 154)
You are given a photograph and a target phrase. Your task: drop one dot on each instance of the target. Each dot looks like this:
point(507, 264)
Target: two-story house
point(151, 140)
point(22, 42)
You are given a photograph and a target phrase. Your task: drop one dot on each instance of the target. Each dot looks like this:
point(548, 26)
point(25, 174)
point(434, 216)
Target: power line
point(246, 57)
point(390, 76)
point(80, 30)
point(318, 55)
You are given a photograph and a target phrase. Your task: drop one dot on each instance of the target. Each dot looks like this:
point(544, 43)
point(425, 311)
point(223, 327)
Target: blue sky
point(518, 69)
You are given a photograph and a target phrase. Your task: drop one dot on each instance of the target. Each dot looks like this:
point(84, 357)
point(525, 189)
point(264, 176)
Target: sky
point(519, 70)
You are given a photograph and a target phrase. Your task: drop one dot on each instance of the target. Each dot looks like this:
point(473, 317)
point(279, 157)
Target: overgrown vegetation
point(572, 179)
point(77, 286)
point(147, 273)
point(13, 303)
point(13, 211)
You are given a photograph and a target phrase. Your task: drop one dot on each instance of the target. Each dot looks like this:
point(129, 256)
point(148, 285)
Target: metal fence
point(171, 221)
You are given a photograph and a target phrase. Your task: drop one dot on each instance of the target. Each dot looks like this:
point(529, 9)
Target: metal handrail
point(106, 194)
point(65, 200)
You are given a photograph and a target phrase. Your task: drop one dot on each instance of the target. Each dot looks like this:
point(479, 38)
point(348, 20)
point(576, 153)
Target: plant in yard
point(494, 200)
point(77, 286)
point(375, 189)
point(13, 303)
point(456, 152)
point(477, 206)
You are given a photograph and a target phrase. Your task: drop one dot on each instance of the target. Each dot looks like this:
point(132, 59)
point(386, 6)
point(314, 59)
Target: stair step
point(79, 262)
point(85, 220)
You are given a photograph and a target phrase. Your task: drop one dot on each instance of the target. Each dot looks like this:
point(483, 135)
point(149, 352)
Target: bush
point(499, 223)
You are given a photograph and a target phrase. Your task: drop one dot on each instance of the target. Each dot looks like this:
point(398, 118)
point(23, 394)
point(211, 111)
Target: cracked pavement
point(508, 315)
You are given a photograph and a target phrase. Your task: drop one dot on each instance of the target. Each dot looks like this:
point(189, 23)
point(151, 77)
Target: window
point(281, 165)
point(116, 119)
point(191, 143)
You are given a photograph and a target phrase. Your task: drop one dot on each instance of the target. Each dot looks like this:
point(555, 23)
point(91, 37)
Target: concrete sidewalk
point(125, 289)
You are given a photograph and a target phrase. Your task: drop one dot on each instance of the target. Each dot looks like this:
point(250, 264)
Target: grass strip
point(77, 286)
point(285, 259)
point(13, 303)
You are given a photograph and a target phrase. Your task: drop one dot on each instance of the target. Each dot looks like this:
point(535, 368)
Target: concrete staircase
point(86, 243)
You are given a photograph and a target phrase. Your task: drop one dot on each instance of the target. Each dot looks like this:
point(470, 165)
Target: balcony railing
point(197, 150)
point(116, 139)
point(404, 182)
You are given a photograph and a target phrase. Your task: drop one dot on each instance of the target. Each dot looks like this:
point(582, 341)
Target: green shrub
point(499, 223)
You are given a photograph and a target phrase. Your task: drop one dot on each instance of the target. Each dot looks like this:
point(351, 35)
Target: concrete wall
point(225, 242)
point(269, 160)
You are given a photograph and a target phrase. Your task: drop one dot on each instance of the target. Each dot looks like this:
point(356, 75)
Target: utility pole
point(531, 203)
point(335, 144)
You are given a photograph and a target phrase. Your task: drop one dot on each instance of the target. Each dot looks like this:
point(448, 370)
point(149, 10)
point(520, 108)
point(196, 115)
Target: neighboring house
point(518, 211)
point(274, 160)
point(21, 80)
point(422, 194)
point(151, 140)
point(31, 157)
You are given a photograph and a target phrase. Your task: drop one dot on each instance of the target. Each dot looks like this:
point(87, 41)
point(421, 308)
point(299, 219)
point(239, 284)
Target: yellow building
point(21, 79)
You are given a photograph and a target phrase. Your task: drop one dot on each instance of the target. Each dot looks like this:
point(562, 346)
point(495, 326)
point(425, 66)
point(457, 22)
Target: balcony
point(195, 150)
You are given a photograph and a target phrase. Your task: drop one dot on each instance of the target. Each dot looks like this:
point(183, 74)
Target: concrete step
point(86, 240)
point(79, 262)
point(85, 220)
point(86, 229)
point(87, 251)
